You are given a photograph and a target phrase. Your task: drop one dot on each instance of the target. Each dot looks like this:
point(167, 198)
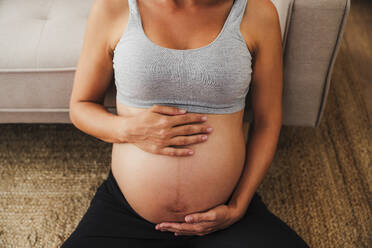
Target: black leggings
point(111, 222)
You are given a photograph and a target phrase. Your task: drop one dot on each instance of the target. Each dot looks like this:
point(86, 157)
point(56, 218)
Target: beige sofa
point(40, 42)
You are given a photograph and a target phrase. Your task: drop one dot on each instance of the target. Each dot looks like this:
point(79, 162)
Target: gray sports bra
point(214, 78)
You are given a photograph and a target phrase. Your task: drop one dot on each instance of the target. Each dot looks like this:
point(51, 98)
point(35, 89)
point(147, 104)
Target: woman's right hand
point(159, 128)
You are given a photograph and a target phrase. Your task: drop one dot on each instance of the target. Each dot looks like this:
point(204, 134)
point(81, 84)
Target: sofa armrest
point(310, 48)
point(314, 39)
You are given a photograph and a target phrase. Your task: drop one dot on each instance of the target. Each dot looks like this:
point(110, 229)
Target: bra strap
point(237, 15)
point(133, 12)
point(233, 23)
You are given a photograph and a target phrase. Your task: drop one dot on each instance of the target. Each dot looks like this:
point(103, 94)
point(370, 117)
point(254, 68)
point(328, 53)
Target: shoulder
point(105, 18)
point(108, 8)
point(103, 12)
point(263, 11)
point(261, 19)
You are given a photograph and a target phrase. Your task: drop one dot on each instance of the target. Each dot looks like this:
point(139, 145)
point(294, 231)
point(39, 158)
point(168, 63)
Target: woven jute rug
point(320, 181)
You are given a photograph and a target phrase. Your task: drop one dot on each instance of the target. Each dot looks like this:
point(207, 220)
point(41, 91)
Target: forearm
point(261, 148)
point(93, 119)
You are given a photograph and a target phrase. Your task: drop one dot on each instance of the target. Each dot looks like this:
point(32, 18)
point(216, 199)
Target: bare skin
point(165, 187)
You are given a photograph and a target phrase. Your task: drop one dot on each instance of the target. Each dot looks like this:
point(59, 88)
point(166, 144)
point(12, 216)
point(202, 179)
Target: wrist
point(122, 127)
point(236, 212)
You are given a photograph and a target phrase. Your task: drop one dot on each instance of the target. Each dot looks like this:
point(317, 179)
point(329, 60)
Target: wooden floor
point(358, 44)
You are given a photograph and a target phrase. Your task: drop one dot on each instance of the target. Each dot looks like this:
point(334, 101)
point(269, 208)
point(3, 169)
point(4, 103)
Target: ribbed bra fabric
point(214, 78)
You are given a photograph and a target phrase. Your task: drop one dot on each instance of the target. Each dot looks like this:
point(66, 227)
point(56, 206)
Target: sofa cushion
point(39, 46)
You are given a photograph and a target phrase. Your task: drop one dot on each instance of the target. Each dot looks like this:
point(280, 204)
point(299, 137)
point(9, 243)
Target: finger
point(187, 140)
point(207, 216)
point(186, 119)
point(185, 227)
point(171, 151)
point(202, 234)
point(163, 109)
point(206, 230)
point(169, 230)
point(189, 129)
point(179, 231)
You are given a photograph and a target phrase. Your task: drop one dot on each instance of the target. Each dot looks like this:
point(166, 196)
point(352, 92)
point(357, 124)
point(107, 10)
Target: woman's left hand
point(203, 223)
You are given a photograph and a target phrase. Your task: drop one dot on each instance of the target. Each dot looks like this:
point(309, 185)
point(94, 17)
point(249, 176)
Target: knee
point(84, 242)
point(281, 234)
point(68, 244)
point(290, 240)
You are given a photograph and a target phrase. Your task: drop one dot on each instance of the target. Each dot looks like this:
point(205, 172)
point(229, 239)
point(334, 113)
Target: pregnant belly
point(167, 188)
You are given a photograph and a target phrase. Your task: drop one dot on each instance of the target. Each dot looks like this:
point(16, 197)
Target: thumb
point(206, 216)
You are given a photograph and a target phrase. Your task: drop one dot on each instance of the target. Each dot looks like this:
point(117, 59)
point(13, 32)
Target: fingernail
point(204, 118)
point(182, 111)
point(191, 152)
point(209, 129)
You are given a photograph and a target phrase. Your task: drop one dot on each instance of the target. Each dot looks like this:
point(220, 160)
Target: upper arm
point(94, 70)
point(267, 78)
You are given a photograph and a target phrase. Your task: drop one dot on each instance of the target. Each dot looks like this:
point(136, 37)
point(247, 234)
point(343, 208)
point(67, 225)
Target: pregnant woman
point(167, 165)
